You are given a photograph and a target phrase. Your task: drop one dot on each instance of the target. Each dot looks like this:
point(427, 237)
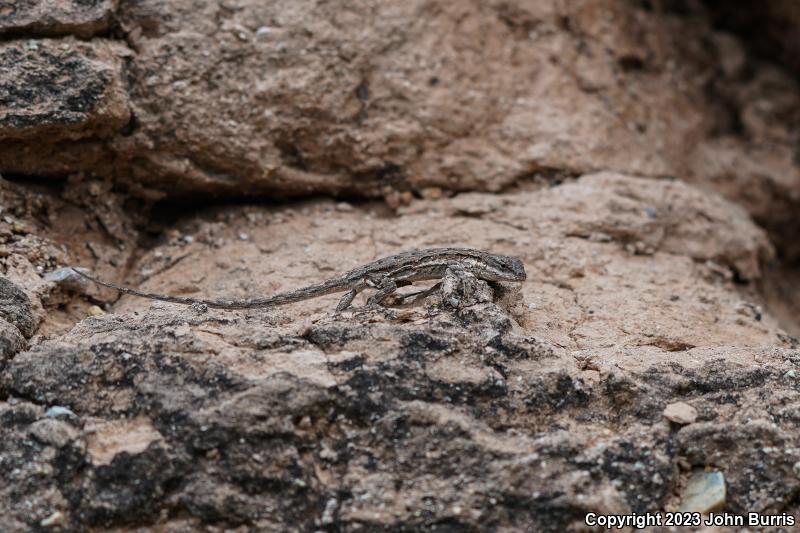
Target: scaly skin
point(385, 275)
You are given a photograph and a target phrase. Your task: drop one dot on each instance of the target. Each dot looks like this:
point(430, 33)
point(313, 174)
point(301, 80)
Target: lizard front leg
point(461, 288)
point(347, 299)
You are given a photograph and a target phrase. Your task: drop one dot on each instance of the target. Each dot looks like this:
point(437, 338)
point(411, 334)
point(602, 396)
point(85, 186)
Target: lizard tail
point(142, 294)
point(279, 299)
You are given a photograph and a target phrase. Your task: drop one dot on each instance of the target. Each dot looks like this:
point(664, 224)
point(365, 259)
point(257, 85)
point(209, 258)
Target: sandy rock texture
point(522, 407)
point(57, 17)
point(290, 98)
point(639, 157)
point(59, 100)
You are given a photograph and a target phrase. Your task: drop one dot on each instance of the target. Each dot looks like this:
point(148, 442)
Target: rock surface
point(291, 98)
point(705, 493)
point(639, 159)
point(58, 100)
point(15, 308)
point(57, 17)
point(11, 341)
point(680, 413)
point(523, 407)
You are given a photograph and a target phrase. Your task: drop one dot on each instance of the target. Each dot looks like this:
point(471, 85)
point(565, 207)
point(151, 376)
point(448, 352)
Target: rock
point(57, 17)
point(243, 416)
point(58, 411)
point(76, 88)
point(705, 493)
point(11, 341)
point(424, 138)
point(53, 432)
point(751, 453)
point(513, 407)
point(95, 310)
point(106, 440)
point(66, 278)
point(15, 308)
point(56, 519)
point(73, 97)
point(680, 413)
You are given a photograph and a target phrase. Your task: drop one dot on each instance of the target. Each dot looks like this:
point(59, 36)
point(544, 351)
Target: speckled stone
point(704, 493)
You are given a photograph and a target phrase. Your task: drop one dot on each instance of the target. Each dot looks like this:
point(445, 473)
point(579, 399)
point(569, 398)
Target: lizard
point(385, 275)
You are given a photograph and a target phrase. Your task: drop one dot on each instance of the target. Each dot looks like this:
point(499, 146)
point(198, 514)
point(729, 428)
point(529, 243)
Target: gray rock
point(705, 493)
point(11, 340)
point(680, 413)
point(58, 411)
point(57, 17)
point(70, 92)
point(53, 432)
point(66, 278)
point(15, 307)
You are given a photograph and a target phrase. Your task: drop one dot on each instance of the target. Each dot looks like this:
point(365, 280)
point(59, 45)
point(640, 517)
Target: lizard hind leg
point(385, 287)
point(416, 297)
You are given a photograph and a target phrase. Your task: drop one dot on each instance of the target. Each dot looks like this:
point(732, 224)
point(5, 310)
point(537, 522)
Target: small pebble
point(599, 236)
point(61, 274)
point(58, 411)
point(95, 311)
point(55, 519)
point(705, 493)
point(330, 509)
point(680, 413)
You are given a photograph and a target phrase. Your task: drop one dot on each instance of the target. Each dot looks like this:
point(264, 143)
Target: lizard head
point(504, 268)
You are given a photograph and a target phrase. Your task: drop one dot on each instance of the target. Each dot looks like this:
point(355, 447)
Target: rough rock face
point(58, 99)
point(301, 97)
point(374, 421)
point(639, 159)
point(15, 308)
point(56, 17)
point(522, 407)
